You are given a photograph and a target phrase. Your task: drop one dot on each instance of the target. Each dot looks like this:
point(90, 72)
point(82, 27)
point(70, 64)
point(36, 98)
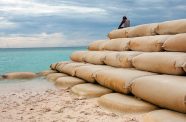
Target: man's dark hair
point(124, 17)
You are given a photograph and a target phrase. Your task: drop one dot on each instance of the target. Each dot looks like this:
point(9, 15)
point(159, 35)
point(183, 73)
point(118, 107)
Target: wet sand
point(40, 101)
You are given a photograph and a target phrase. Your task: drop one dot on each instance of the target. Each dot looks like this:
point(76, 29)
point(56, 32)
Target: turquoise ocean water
point(33, 59)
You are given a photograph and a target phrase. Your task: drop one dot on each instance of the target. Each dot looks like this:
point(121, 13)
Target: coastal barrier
point(146, 61)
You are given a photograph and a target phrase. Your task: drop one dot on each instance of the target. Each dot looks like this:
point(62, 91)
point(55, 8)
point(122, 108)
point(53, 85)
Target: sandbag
point(123, 103)
point(87, 72)
point(78, 56)
point(19, 75)
point(66, 82)
point(161, 62)
point(142, 30)
point(165, 91)
point(54, 76)
point(95, 57)
point(148, 43)
point(120, 59)
point(164, 116)
point(119, 79)
point(171, 27)
point(70, 68)
point(176, 43)
point(97, 45)
point(55, 65)
point(46, 72)
point(118, 33)
point(120, 44)
point(60, 65)
point(90, 90)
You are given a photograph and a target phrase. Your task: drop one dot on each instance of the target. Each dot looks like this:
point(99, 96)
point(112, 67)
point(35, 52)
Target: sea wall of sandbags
point(157, 43)
point(111, 58)
point(158, 62)
point(163, 28)
point(144, 85)
point(147, 61)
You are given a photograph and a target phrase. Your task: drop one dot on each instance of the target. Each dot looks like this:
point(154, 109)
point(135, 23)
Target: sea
point(33, 59)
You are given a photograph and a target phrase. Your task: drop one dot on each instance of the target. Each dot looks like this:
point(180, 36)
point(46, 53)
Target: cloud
point(6, 24)
point(76, 22)
point(39, 40)
point(29, 7)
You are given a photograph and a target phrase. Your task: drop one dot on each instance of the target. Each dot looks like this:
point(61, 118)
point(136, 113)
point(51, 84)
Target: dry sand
point(40, 101)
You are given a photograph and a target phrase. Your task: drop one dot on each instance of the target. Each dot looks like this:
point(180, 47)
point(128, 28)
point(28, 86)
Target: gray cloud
point(80, 21)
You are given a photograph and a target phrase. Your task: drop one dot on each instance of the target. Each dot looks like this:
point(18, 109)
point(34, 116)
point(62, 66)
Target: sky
point(67, 23)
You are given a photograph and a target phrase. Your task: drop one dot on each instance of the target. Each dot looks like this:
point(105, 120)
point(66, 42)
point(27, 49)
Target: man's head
point(124, 17)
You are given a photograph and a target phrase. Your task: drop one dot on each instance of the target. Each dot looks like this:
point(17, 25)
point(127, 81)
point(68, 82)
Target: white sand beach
point(38, 100)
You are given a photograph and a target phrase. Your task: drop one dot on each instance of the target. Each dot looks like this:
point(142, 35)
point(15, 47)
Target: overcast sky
point(61, 23)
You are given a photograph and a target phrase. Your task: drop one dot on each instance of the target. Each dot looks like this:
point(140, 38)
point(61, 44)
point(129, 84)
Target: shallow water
point(33, 59)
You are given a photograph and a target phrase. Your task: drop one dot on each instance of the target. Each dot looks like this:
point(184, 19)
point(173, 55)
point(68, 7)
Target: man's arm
point(120, 25)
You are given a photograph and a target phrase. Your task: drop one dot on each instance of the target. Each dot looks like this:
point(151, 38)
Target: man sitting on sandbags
point(124, 23)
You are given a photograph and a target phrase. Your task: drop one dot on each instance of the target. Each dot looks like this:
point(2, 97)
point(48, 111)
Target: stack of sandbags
point(111, 58)
point(163, 28)
point(161, 49)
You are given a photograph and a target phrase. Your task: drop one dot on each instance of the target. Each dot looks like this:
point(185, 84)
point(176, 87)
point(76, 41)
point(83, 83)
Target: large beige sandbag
point(120, 59)
point(166, 91)
point(46, 72)
point(60, 65)
point(97, 45)
point(142, 30)
point(54, 76)
point(176, 43)
point(95, 57)
point(120, 44)
point(164, 116)
point(55, 65)
point(67, 82)
point(148, 43)
point(87, 72)
point(161, 62)
point(119, 79)
point(78, 56)
point(171, 27)
point(19, 75)
point(70, 68)
point(123, 103)
point(118, 33)
point(90, 90)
